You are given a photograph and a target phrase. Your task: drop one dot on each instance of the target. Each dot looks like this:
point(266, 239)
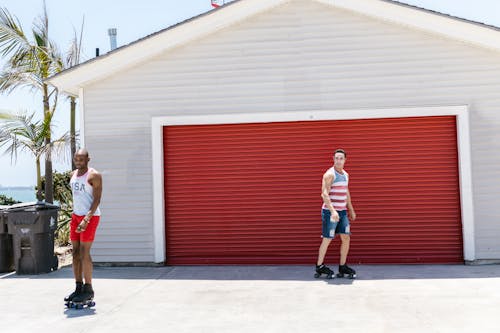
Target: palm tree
point(29, 63)
point(22, 132)
point(72, 59)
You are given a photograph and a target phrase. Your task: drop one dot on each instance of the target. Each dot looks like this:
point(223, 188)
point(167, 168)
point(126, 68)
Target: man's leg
point(322, 250)
point(77, 272)
point(328, 232)
point(87, 293)
point(344, 248)
point(87, 239)
point(77, 262)
point(86, 260)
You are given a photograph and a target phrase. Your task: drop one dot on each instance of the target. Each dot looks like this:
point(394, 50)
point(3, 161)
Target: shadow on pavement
point(278, 273)
point(85, 312)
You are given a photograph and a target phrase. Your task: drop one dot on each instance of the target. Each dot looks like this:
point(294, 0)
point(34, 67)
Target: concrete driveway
point(423, 298)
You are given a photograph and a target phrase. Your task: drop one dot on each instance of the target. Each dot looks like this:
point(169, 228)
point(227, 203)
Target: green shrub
point(63, 197)
point(5, 200)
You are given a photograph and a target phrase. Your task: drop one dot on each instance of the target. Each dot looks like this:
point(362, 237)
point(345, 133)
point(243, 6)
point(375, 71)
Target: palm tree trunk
point(38, 180)
point(49, 182)
point(72, 131)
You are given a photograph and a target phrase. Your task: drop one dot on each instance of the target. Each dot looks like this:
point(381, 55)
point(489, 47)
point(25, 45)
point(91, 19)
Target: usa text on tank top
point(82, 194)
point(338, 190)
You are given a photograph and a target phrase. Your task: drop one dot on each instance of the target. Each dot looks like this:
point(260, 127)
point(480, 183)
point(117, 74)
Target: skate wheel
point(79, 306)
point(329, 276)
point(91, 304)
point(317, 275)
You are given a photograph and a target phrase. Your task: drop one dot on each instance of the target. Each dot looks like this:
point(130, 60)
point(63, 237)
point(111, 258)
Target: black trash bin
point(6, 255)
point(32, 226)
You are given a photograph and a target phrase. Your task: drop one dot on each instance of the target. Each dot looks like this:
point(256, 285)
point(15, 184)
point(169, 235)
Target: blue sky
point(134, 20)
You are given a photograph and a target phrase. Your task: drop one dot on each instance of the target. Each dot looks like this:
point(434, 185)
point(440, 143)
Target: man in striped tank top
point(335, 214)
point(86, 187)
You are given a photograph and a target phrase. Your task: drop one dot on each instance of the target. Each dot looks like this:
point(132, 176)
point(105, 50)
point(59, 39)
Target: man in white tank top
point(336, 211)
point(86, 187)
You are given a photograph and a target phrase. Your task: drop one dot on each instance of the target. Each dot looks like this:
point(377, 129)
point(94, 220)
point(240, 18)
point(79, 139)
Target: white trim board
point(158, 192)
point(463, 143)
point(81, 103)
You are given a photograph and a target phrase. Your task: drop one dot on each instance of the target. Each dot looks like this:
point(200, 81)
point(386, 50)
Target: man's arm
point(95, 180)
point(325, 194)
point(352, 213)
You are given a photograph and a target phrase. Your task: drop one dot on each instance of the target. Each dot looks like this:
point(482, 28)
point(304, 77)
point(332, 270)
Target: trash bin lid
point(31, 206)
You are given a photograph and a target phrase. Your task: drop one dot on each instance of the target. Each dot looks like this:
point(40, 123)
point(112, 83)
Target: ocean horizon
point(19, 193)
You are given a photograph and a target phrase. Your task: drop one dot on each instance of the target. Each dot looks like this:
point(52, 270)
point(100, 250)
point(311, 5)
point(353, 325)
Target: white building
point(212, 135)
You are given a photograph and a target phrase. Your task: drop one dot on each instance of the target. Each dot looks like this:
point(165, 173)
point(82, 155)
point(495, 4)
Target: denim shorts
point(331, 228)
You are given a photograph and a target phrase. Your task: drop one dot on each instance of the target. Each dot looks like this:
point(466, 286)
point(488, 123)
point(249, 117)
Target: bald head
point(81, 159)
point(82, 151)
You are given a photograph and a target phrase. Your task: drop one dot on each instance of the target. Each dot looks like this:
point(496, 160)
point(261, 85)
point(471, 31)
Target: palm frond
point(79, 53)
point(61, 147)
point(12, 78)
point(21, 132)
point(57, 63)
point(29, 62)
point(47, 124)
point(12, 37)
point(74, 53)
point(50, 57)
point(25, 59)
point(54, 92)
point(6, 115)
point(10, 143)
point(41, 29)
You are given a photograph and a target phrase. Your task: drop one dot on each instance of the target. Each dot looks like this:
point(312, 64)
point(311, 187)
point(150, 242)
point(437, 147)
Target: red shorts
point(84, 236)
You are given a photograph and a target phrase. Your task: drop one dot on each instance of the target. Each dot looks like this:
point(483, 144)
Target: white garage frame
point(463, 142)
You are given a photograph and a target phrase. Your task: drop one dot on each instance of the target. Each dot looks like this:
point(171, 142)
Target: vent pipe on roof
point(112, 38)
point(96, 51)
point(218, 3)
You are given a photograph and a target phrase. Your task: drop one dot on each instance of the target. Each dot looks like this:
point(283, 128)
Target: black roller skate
point(78, 290)
point(86, 298)
point(346, 271)
point(322, 269)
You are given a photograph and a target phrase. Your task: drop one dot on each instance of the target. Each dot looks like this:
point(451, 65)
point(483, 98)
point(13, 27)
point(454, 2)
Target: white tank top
point(82, 194)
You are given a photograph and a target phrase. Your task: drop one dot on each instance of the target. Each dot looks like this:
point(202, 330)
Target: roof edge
point(392, 11)
point(422, 19)
point(71, 79)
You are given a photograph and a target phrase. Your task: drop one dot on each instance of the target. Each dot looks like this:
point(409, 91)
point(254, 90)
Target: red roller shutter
point(250, 193)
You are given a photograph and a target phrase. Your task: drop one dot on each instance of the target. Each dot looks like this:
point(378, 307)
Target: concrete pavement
point(421, 298)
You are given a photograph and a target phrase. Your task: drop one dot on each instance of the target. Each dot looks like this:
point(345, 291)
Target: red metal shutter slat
point(250, 193)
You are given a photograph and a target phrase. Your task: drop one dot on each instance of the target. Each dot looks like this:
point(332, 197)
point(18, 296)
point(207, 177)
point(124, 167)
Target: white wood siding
point(297, 57)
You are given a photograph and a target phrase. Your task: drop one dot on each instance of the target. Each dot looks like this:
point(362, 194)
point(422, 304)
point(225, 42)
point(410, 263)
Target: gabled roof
point(71, 80)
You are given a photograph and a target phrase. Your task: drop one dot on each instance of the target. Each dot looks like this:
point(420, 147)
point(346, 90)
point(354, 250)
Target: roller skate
point(86, 298)
point(68, 300)
point(346, 271)
point(322, 269)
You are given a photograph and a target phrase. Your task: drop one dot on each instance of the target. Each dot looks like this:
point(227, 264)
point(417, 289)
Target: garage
point(220, 132)
point(249, 193)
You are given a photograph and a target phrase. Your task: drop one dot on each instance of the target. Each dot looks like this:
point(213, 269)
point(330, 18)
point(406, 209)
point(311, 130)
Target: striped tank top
point(338, 191)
